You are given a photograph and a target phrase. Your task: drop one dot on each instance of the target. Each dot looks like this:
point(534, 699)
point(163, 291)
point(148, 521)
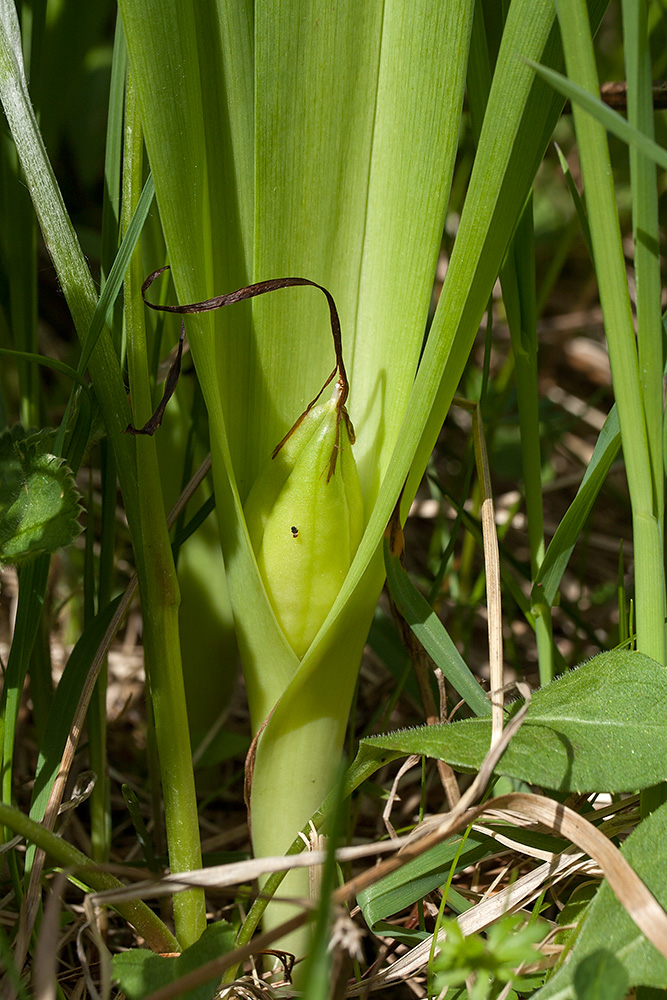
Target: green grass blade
point(53, 363)
point(65, 702)
point(602, 113)
point(61, 240)
point(614, 297)
point(113, 152)
point(401, 889)
point(32, 587)
point(577, 201)
point(433, 636)
point(117, 273)
point(571, 524)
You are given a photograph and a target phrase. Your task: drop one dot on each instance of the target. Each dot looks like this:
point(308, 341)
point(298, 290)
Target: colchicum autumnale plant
point(300, 139)
point(322, 143)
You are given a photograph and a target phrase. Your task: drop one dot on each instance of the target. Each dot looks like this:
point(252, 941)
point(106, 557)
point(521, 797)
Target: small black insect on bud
point(295, 532)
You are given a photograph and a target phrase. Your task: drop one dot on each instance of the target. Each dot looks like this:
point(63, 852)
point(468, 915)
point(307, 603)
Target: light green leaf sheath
point(305, 521)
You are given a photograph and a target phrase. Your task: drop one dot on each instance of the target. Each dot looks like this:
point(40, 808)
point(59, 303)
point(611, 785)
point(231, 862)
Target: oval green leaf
point(597, 728)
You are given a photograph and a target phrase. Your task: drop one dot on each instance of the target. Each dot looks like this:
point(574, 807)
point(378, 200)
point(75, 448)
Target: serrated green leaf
point(597, 728)
point(607, 928)
point(39, 502)
point(141, 972)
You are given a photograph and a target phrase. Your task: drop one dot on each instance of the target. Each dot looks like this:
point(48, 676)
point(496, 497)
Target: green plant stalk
point(646, 235)
point(317, 973)
point(147, 923)
point(101, 793)
point(628, 389)
point(518, 280)
point(208, 640)
point(100, 810)
point(360, 771)
point(40, 670)
point(206, 623)
point(96, 717)
point(360, 252)
point(160, 597)
point(645, 228)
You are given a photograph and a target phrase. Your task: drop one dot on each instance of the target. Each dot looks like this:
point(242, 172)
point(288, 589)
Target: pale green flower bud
point(305, 520)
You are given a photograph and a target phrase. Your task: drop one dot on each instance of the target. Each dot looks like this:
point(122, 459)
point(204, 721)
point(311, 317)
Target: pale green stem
point(160, 597)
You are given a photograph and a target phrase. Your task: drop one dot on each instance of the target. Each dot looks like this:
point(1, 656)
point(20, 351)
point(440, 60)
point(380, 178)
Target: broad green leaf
point(141, 972)
point(39, 502)
point(600, 976)
point(608, 929)
point(597, 728)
